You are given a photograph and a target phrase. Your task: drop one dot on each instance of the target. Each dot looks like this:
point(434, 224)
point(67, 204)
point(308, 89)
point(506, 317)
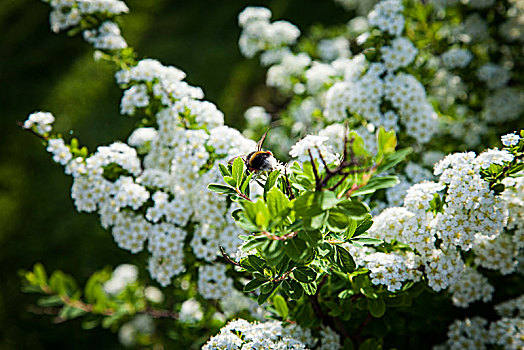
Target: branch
point(318, 186)
point(20, 124)
point(279, 238)
point(283, 277)
point(240, 194)
point(228, 258)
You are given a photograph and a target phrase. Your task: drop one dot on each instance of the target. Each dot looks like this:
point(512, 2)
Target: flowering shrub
point(347, 245)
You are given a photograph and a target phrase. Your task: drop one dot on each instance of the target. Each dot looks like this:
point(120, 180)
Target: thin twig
point(279, 238)
point(240, 194)
point(288, 185)
point(20, 124)
point(283, 277)
point(224, 254)
point(315, 173)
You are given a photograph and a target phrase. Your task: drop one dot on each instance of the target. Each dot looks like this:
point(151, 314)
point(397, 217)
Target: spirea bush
point(385, 209)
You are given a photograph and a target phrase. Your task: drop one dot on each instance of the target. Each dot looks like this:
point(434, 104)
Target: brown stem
point(318, 186)
point(283, 277)
point(279, 238)
point(240, 194)
point(78, 304)
point(227, 257)
point(20, 124)
point(288, 186)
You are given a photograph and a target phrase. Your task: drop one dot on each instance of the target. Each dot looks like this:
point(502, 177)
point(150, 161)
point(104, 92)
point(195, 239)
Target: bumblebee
point(259, 160)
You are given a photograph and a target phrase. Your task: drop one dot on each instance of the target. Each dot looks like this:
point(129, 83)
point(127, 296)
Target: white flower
point(509, 140)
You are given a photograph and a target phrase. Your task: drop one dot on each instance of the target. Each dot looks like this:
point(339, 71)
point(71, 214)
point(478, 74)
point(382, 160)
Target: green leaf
point(230, 181)
point(345, 259)
point(304, 274)
point(354, 209)
point(392, 159)
point(376, 307)
point(40, 274)
point(370, 344)
point(515, 168)
point(270, 181)
point(69, 312)
point(348, 345)
point(346, 294)
point(367, 240)
point(223, 170)
point(254, 243)
point(387, 141)
point(363, 226)
point(328, 199)
point(50, 301)
point(277, 202)
point(293, 289)
point(295, 248)
point(274, 252)
point(307, 204)
point(253, 284)
point(310, 236)
point(377, 183)
point(246, 182)
point(221, 189)
point(316, 222)
point(280, 306)
point(359, 148)
point(237, 171)
point(257, 212)
point(351, 228)
point(337, 221)
point(309, 288)
point(257, 263)
point(263, 297)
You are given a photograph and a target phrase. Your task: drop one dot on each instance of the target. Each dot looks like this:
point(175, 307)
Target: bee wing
point(261, 141)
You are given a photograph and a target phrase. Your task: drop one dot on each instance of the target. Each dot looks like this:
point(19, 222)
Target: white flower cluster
point(122, 276)
point(474, 29)
point(242, 335)
point(479, 4)
point(497, 254)
point(407, 94)
point(468, 334)
point(472, 218)
point(456, 58)
point(259, 34)
point(494, 75)
point(148, 201)
point(472, 286)
point(290, 68)
point(510, 140)
point(257, 116)
point(503, 105)
point(106, 37)
point(329, 339)
point(475, 333)
point(130, 332)
point(316, 145)
point(332, 49)
point(339, 84)
point(387, 16)
point(41, 121)
point(69, 13)
point(61, 153)
point(392, 269)
point(514, 197)
point(511, 308)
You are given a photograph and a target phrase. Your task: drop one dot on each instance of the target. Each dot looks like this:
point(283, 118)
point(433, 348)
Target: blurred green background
point(43, 71)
